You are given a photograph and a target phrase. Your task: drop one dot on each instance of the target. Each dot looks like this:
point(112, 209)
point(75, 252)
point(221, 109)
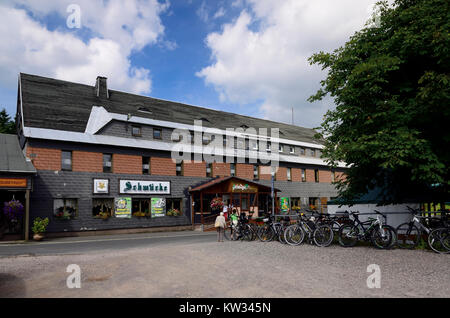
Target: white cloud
point(117, 28)
point(262, 55)
point(219, 13)
point(202, 12)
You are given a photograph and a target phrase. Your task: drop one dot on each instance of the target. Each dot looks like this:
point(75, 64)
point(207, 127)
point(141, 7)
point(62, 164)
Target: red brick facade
point(84, 161)
point(221, 169)
point(87, 161)
point(310, 175)
point(127, 164)
point(244, 171)
point(163, 166)
point(281, 174)
point(325, 176)
point(45, 158)
point(265, 173)
point(194, 169)
point(296, 175)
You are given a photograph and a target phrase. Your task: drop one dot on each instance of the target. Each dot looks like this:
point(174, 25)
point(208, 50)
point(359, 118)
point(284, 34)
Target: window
point(333, 176)
point(66, 160)
point(291, 149)
point(136, 131)
point(312, 152)
point(254, 145)
point(302, 151)
point(289, 178)
point(316, 175)
point(107, 162)
point(269, 147)
point(280, 148)
point(232, 169)
point(314, 203)
point(180, 169)
point(65, 209)
point(209, 169)
point(295, 204)
point(140, 207)
point(145, 165)
point(303, 175)
point(157, 133)
point(102, 208)
point(255, 172)
point(173, 207)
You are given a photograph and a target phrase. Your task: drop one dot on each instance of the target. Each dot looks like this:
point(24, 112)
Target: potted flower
point(13, 210)
point(216, 204)
point(39, 227)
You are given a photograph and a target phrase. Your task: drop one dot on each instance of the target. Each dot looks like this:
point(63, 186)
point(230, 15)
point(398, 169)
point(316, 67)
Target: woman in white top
point(220, 226)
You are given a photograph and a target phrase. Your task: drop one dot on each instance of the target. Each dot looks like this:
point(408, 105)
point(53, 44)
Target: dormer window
point(157, 133)
point(136, 131)
point(291, 149)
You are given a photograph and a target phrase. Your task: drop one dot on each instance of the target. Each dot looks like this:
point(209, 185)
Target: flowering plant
point(216, 203)
point(173, 212)
point(13, 210)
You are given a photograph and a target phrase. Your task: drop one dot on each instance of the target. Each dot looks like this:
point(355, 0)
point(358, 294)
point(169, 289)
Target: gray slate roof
point(12, 159)
point(55, 104)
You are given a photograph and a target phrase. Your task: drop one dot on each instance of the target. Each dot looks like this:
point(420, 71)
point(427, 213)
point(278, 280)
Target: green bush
point(39, 225)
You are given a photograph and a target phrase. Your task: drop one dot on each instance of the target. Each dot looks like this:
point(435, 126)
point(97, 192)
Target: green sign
point(122, 207)
point(158, 207)
point(284, 204)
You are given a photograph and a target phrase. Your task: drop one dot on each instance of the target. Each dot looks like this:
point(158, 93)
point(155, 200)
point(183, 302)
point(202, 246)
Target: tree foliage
point(7, 126)
point(391, 84)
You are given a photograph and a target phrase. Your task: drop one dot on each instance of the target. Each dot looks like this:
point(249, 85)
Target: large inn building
point(103, 160)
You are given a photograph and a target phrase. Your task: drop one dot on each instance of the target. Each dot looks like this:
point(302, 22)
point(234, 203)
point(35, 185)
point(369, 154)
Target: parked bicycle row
point(347, 228)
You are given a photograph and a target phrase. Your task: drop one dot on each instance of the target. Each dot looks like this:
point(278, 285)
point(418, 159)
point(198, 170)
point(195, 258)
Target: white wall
point(396, 213)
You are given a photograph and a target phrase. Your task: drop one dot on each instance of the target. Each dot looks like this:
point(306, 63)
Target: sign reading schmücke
point(144, 187)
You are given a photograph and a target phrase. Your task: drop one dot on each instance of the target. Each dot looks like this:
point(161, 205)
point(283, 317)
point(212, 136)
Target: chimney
point(101, 87)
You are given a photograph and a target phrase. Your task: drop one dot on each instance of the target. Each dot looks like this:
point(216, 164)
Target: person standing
point(220, 226)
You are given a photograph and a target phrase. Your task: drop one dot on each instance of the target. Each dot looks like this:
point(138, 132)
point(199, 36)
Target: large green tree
point(7, 126)
point(391, 85)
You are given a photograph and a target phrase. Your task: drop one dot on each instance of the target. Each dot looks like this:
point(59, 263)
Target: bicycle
point(410, 233)
point(320, 234)
point(243, 230)
point(381, 235)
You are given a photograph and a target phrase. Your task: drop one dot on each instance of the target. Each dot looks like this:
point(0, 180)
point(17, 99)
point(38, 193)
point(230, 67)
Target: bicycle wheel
point(383, 238)
point(408, 235)
point(266, 234)
point(248, 234)
point(294, 235)
point(323, 235)
point(348, 235)
point(335, 226)
point(281, 234)
point(439, 240)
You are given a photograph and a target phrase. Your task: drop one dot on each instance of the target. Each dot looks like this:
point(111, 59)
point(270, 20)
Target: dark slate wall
point(50, 185)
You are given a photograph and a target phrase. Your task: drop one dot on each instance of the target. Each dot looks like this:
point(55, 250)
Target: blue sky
point(242, 56)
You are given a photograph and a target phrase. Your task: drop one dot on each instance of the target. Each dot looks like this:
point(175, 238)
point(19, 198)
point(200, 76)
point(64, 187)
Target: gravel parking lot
point(229, 269)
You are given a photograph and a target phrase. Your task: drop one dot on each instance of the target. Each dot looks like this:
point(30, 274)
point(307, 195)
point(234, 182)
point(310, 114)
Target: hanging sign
point(284, 204)
point(13, 183)
point(243, 187)
point(144, 187)
point(122, 207)
point(158, 207)
point(101, 186)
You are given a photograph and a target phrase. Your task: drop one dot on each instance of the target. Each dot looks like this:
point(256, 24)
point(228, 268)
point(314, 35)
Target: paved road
point(77, 245)
point(190, 264)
